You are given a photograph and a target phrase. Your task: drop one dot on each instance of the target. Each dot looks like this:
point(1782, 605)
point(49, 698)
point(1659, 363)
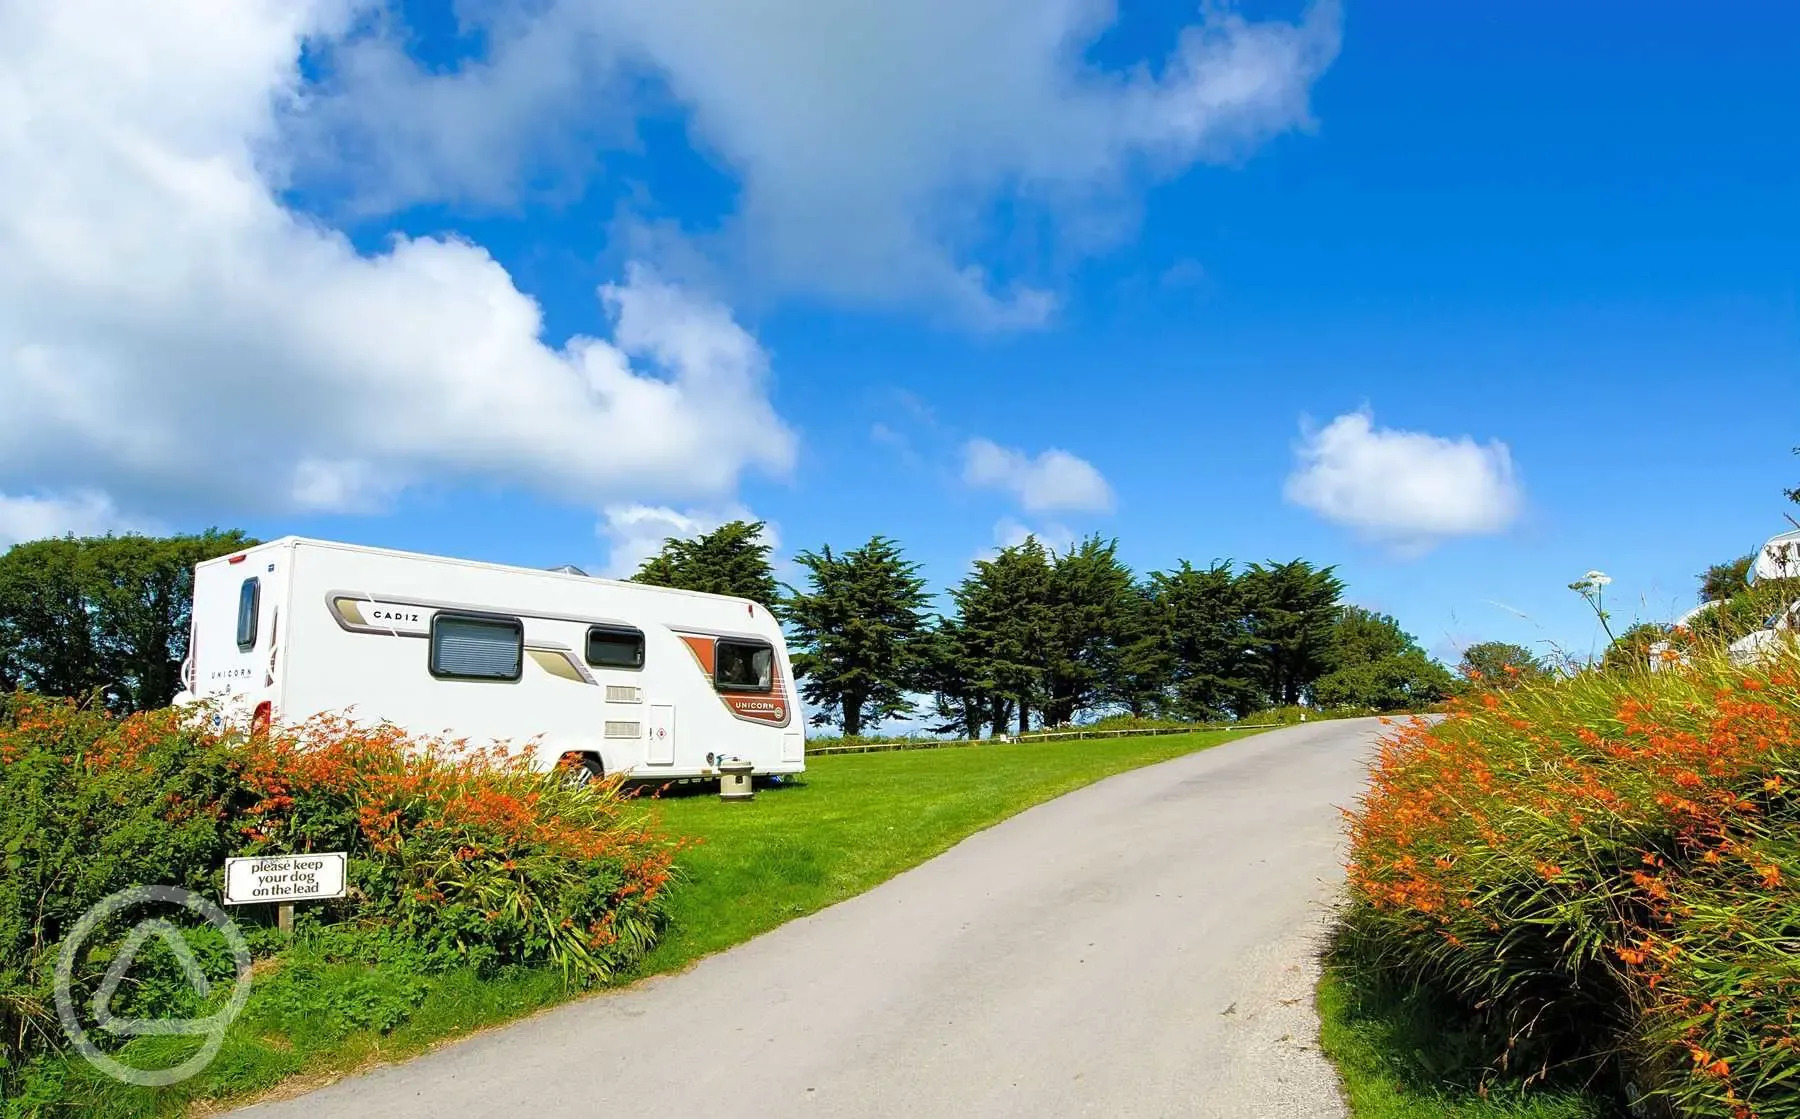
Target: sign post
point(282, 880)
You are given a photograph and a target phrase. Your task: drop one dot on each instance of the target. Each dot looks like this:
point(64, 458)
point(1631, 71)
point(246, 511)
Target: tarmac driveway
point(1141, 947)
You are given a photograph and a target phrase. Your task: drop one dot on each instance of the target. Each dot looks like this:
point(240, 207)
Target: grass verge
point(1400, 1057)
point(333, 1005)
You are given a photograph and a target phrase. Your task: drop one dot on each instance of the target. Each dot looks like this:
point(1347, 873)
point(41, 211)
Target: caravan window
point(476, 647)
point(249, 597)
point(743, 666)
point(615, 647)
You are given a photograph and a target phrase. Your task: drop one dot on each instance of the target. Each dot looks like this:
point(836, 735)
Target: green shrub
point(459, 859)
point(1747, 610)
point(90, 805)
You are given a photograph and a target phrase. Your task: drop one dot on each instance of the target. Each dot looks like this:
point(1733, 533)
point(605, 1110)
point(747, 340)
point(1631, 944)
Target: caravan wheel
point(582, 769)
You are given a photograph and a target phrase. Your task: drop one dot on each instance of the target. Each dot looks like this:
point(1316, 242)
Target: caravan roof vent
point(569, 569)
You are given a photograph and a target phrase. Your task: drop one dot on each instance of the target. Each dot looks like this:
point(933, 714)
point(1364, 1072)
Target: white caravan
point(643, 681)
point(1660, 657)
point(1779, 558)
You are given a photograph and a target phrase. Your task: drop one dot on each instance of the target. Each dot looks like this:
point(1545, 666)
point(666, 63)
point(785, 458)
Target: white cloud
point(85, 513)
point(1052, 480)
point(898, 442)
point(882, 433)
point(170, 333)
point(637, 532)
point(871, 140)
point(1408, 488)
point(1009, 533)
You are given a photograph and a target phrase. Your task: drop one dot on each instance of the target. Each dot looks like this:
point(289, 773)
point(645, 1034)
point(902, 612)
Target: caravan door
point(660, 750)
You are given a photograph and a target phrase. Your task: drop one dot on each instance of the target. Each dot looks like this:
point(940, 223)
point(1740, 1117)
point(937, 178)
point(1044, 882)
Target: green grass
point(1401, 1059)
point(849, 824)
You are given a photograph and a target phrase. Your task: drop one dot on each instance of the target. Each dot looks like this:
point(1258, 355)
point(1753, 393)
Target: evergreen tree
point(858, 633)
point(661, 569)
point(1292, 608)
point(1141, 664)
point(1092, 597)
point(732, 559)
point(1007, 624)
point(1208, 642)
point(963, 697)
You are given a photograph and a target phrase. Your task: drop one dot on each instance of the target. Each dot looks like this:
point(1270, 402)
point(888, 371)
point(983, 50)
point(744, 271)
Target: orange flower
point(1651, 885)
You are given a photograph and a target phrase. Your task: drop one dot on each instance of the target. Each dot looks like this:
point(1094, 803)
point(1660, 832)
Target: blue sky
point(1546, 253)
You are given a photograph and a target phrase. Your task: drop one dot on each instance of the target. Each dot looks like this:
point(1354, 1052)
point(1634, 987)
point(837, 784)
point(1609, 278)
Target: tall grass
point(1600, 872)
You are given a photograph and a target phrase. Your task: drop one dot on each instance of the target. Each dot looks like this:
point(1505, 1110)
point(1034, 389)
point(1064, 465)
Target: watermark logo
point(212, 1027)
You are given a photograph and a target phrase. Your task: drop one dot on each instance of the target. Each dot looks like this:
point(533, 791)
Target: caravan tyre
point(582, 769)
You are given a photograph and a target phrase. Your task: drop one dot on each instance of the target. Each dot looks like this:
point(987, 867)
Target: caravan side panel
point(485, 653)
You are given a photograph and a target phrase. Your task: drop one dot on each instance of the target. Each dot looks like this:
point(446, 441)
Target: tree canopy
point(1095, 615)
point(1723, 580)
point(732, 559)
point(1500, 664)
point(1057, 635)
point(1007, 622)
point(1292, 609)
point(102, 612)
point(1376, 664)
point(859, 633)
point(1212, 672)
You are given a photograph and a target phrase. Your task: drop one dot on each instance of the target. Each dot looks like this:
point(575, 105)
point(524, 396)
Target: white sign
point(282, 879)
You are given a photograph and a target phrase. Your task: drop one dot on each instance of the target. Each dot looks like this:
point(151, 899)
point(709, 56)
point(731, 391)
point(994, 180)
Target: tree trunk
point(972, 717)
point(1024, 715)
point(852, 717)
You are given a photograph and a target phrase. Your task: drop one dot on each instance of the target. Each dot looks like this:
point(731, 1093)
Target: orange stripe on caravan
point(703, 652)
